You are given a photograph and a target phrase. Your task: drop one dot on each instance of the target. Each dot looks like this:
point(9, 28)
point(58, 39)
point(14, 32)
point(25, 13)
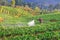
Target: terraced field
point(45, 31)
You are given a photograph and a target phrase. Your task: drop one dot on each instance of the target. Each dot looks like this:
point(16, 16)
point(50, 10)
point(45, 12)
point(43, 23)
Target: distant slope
point(40, 3)
point(44, 1)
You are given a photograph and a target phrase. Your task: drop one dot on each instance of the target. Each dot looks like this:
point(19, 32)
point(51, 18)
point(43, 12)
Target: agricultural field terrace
point(10, 17)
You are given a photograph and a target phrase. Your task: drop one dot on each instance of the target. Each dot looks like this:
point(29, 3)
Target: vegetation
point(13, 22)
point(41, 31)
point(13, 3)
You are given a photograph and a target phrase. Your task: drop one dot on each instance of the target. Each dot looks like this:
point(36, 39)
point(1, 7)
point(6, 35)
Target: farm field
point(41, 31)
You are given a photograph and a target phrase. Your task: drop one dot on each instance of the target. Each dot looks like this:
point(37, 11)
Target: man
point(40, 20)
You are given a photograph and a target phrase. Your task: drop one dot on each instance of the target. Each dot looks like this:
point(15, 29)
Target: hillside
point(10, 28)
point(45, 31)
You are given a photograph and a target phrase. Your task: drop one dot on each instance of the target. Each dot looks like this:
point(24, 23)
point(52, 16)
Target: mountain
point(45, 2)
point(40, 3)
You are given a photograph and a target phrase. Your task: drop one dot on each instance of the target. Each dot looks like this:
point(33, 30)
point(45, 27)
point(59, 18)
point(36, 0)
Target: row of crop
point(8, 10)
point(48, 16)
point(45, 36)
point(6, 31)
point(14, 11)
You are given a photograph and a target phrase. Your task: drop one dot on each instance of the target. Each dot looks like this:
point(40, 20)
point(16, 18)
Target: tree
point(23, 3)
point(57, 6)
point(51, 7)
point(13, 3)
point(37, 9)
point(19, 2)
point(3, 2)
